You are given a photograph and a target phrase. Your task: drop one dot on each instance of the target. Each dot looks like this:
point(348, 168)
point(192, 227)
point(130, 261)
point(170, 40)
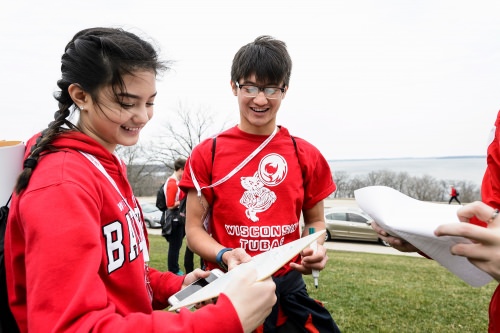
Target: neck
point(268, 130)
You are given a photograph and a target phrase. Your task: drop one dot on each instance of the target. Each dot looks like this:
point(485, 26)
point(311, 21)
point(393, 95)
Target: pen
point(314, 246)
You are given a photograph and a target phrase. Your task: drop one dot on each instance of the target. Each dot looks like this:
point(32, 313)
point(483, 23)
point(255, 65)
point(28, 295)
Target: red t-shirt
point(259, 207)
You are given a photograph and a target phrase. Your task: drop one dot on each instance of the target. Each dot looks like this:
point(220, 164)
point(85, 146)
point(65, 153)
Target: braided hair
point(94, 58)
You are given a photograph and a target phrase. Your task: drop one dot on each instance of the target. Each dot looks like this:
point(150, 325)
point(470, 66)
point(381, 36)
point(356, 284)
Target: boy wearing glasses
point(248, 186)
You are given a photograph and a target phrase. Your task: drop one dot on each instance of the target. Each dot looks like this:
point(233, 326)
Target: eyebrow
point(270, 84)
point(135, 96)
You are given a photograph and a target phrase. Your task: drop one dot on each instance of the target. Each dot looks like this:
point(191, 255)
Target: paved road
point(341, 245)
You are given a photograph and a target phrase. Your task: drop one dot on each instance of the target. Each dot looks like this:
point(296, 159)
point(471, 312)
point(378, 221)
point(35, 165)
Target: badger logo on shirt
point(258, 198)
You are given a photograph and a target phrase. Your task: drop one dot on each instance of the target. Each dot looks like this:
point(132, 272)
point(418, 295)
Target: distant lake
point(460, 168)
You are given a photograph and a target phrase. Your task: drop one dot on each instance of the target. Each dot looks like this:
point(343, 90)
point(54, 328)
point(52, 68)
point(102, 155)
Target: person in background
point(257, 179)
point(483, 227)
point(76, 244)
point(174, 195)
point(454, 195)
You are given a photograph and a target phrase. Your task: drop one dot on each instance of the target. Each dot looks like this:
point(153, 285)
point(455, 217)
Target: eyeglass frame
point(282, 89)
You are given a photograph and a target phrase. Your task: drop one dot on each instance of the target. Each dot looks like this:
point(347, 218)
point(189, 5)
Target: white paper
point(415, 222)
point(266, 263)
point(11, 164)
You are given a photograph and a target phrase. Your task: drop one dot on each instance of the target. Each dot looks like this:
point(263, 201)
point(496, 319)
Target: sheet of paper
point(266, 264)
point(11, 164)
point(415, 222)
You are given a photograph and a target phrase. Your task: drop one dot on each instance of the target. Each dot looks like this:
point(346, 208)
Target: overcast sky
point(370, 79)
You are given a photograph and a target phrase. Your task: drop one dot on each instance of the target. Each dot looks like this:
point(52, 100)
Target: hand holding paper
point(484, 252)
point(415, 221)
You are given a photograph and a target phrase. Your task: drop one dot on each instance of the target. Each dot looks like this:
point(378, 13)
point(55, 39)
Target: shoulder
point(68, 165)
point(64, 172)
point(204, 145)
point(304, 147)
point(299, 142)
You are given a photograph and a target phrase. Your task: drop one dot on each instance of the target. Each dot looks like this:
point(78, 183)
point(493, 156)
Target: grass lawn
point(386, 293)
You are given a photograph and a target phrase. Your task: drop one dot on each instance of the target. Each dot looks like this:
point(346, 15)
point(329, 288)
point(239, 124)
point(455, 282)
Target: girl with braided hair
point(76, 244)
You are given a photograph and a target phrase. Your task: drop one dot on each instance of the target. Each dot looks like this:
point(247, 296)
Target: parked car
point(152, 215)
point(350, 223)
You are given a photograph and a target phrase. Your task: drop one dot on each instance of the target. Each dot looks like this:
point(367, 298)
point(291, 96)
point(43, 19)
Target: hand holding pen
point(312, 256)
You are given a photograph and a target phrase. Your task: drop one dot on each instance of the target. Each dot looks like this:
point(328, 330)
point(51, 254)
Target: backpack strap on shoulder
point(4, 211)
point(298, 158)
point(213, 148)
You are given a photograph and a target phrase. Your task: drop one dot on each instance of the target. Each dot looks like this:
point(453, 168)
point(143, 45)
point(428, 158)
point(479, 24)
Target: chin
point(129, 142)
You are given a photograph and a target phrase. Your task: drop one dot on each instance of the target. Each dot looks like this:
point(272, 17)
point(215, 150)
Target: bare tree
point(342, 181)
point(180, 135)
point(425, 188)
point(141, 172)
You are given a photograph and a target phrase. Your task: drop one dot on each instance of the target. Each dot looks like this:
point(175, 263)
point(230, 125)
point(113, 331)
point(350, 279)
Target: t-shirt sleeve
point(317, 175)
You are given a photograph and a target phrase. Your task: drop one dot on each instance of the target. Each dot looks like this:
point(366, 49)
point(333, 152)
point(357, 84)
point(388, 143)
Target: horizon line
point(407, 158)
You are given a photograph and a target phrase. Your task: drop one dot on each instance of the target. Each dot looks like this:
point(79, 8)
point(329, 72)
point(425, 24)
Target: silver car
point(152, 215)
point(350, 223)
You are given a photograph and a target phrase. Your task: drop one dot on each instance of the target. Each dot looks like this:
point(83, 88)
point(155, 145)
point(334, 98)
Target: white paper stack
point(415, 222)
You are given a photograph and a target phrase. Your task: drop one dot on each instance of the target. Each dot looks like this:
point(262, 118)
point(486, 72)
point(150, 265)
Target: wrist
point(219, 260)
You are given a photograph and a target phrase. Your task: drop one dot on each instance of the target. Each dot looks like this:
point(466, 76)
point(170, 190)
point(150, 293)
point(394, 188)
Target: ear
point(234, 88)
point(78, 95)
point(284, 94)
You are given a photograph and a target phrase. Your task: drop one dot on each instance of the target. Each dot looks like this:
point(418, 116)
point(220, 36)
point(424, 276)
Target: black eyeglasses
point(252, 91)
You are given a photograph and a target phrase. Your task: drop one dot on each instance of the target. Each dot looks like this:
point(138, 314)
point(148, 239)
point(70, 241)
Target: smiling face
point(257, 114)
point(111, 121)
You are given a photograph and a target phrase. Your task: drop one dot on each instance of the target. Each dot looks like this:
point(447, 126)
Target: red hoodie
point(75, 255)
point(490, 193)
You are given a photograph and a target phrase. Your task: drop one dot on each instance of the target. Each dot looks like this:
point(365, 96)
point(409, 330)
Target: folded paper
point(415, 221)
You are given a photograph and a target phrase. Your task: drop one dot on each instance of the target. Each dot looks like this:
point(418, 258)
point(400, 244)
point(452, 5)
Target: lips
point(131, 129)
point(259, 109)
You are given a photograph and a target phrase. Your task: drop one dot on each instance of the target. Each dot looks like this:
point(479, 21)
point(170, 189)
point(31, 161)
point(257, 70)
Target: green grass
point(387, 293)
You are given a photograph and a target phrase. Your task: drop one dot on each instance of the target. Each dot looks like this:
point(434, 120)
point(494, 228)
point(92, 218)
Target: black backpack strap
point(7, 322)
point(213, 148)
point(4, 211)
point(295, 145)
point(298, 158)
point(214, 141)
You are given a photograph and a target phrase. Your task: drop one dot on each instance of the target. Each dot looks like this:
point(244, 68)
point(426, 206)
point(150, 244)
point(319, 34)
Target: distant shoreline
point(406, 158)
point(447, 168)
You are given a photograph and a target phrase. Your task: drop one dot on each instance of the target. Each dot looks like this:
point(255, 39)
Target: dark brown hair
point(267, 58)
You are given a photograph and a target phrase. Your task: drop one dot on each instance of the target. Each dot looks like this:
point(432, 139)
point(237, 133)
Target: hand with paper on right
point(484, 252)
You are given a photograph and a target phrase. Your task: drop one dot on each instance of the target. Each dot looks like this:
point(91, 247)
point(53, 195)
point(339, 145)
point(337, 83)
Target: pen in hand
point(314, 246)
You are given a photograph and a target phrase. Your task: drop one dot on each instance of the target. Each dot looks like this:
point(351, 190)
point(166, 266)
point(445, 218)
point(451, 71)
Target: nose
point(143, 114)
point(260, 99)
